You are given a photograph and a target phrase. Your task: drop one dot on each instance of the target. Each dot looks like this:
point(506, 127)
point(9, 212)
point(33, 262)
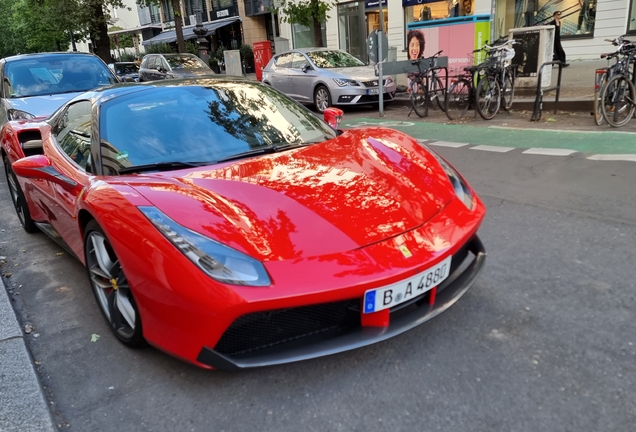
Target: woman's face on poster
point(414, 48)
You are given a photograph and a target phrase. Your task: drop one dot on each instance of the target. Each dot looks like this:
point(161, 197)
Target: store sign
point(223, 13)
point(374, 3)
point(406, 3)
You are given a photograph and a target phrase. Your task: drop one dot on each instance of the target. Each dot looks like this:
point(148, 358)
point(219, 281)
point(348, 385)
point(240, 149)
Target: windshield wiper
point(162, 166)
point(260, 151)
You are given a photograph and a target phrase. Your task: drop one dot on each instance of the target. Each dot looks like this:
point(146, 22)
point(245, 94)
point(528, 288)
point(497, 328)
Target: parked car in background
point(227, 225)
point(125, 71)
point(35, 85)
point(325, 77)
point(165, 66)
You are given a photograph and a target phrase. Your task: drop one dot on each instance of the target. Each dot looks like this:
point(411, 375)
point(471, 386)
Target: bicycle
point(617, 93)
point(461, 93)
point(426, 86)
point(604, 95)
point(497, 89)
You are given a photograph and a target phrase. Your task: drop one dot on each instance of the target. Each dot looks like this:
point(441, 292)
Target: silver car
point(325, 77)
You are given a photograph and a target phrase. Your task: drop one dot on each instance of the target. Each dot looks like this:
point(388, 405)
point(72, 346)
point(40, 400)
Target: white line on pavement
point(492, 148)
point(447, 144)
point(561, 130)
point(549, 151)
point(613, 157)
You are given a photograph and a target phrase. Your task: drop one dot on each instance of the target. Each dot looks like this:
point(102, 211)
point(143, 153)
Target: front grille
point(262, 330)
point(373, 83)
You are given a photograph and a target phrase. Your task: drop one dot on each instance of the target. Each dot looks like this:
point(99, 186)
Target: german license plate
point(373, 91)
point(386, 297)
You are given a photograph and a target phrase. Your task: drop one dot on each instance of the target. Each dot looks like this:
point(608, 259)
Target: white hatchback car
point(325, 77)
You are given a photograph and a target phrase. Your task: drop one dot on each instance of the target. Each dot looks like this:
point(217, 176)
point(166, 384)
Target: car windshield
point(202, 124)
point(185, 62)
point(127, 68)
point(333, 59)
point(54, 74)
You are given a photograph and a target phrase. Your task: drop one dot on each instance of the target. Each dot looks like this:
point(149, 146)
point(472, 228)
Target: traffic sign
point(372, 46)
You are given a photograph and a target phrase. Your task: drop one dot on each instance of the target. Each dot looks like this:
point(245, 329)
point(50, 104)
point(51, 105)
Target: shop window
point(438, 10)
point(304, 36)
point(631, 23)
point(577, 16)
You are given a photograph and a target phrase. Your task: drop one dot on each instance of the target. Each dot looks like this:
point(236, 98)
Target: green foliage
point(160, 48)
point(304, 12)
point(219, 54)
point(191, 47)
point(125, 39)
point(247, 54)
point(127, 57)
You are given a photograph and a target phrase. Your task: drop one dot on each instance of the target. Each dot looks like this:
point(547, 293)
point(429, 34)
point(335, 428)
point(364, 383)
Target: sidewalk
point(23, 407)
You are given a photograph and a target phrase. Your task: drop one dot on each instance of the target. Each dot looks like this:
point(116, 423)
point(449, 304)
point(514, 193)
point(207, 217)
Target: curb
point(23, 406)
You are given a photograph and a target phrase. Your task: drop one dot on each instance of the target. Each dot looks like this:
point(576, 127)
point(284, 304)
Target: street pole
point(381, 78)
point(200, 31)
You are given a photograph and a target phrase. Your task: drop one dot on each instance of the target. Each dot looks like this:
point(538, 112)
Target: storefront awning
point(188, 32)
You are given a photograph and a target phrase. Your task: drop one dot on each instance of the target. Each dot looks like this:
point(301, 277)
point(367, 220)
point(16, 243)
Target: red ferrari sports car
point(226, 224)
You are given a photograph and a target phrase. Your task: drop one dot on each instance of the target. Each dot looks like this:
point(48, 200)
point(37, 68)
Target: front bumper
point(236, 349)
point(355, 95)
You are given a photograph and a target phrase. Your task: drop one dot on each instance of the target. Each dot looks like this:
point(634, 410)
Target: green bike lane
point(606, 142)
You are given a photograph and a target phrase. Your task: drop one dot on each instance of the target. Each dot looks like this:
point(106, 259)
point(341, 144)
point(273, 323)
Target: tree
point(308, 13)
point(178, 20)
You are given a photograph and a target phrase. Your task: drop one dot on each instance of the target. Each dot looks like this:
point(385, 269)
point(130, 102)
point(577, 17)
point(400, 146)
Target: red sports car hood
point(362, 187)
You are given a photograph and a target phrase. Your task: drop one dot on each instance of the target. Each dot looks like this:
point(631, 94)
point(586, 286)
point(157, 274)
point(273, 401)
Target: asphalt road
point(544, 341)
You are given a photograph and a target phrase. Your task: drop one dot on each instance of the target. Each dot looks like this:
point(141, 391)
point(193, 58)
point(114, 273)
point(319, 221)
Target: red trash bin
point(262, 55)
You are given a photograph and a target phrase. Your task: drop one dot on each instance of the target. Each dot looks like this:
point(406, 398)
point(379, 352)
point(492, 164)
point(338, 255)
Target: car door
point(301, 78)
point(282, 71)
point(70, 155)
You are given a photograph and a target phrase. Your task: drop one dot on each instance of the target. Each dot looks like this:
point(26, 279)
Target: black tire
point(487, 97)
point(457, 99)
point(18, 199)
point(418, 98)
point(601, 80)
point(110, 287)
point(322, 98)
point(618, 98)
point(508, 91)
point(437, 93)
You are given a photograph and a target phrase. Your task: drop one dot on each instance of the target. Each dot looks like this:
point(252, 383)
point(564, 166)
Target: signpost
point(378, 50)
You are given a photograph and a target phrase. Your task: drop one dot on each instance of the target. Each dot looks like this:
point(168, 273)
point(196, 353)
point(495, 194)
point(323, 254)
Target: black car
point(166, 66)
point(126, 71)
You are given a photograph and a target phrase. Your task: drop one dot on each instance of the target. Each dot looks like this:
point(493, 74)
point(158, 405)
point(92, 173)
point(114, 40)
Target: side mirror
point(305, 67)
point(333, 116)
point(39, 167)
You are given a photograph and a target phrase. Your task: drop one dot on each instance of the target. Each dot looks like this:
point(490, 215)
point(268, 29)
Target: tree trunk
point(100, 34)
point(178, 25)
point(318, 33)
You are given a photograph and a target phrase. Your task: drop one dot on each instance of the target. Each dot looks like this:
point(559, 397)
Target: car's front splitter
point(334, 341)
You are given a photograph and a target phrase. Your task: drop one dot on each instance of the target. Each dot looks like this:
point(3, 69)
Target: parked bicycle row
point(614, 86)
point(486, 87)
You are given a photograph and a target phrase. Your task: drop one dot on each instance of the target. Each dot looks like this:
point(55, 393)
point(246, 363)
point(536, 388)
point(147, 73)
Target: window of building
point(631, 23)
point(304, 36)
point(577, 16)
point(433, 10)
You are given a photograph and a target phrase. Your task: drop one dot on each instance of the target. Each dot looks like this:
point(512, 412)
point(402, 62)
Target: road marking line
point(492, 148)
point(561, 130)
point(447, 144)
point(613, 157)
point(549, 151)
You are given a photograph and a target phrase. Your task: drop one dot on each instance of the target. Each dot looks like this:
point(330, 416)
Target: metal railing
point(538, 101)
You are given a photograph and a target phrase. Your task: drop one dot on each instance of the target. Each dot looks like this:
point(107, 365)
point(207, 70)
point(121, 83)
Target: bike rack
point(538, 101)
point(426, 71)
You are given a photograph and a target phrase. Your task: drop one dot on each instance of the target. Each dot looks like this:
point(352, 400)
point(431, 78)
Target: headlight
point(218, 261)
point(461, 188)
point(14, 114)
point(345, 82)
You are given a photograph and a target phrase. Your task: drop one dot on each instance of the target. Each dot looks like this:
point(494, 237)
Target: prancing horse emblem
point(405, 251)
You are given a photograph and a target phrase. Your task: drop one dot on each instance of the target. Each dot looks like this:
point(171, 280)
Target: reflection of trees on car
point(333, 59)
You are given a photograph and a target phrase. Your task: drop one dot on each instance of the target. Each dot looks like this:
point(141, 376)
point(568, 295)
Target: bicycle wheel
point(457, 99)
point(601, 80)
point(418, 98)
point(508, 92)
point(438, 93)
point(618, 100)
point(487, 97)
